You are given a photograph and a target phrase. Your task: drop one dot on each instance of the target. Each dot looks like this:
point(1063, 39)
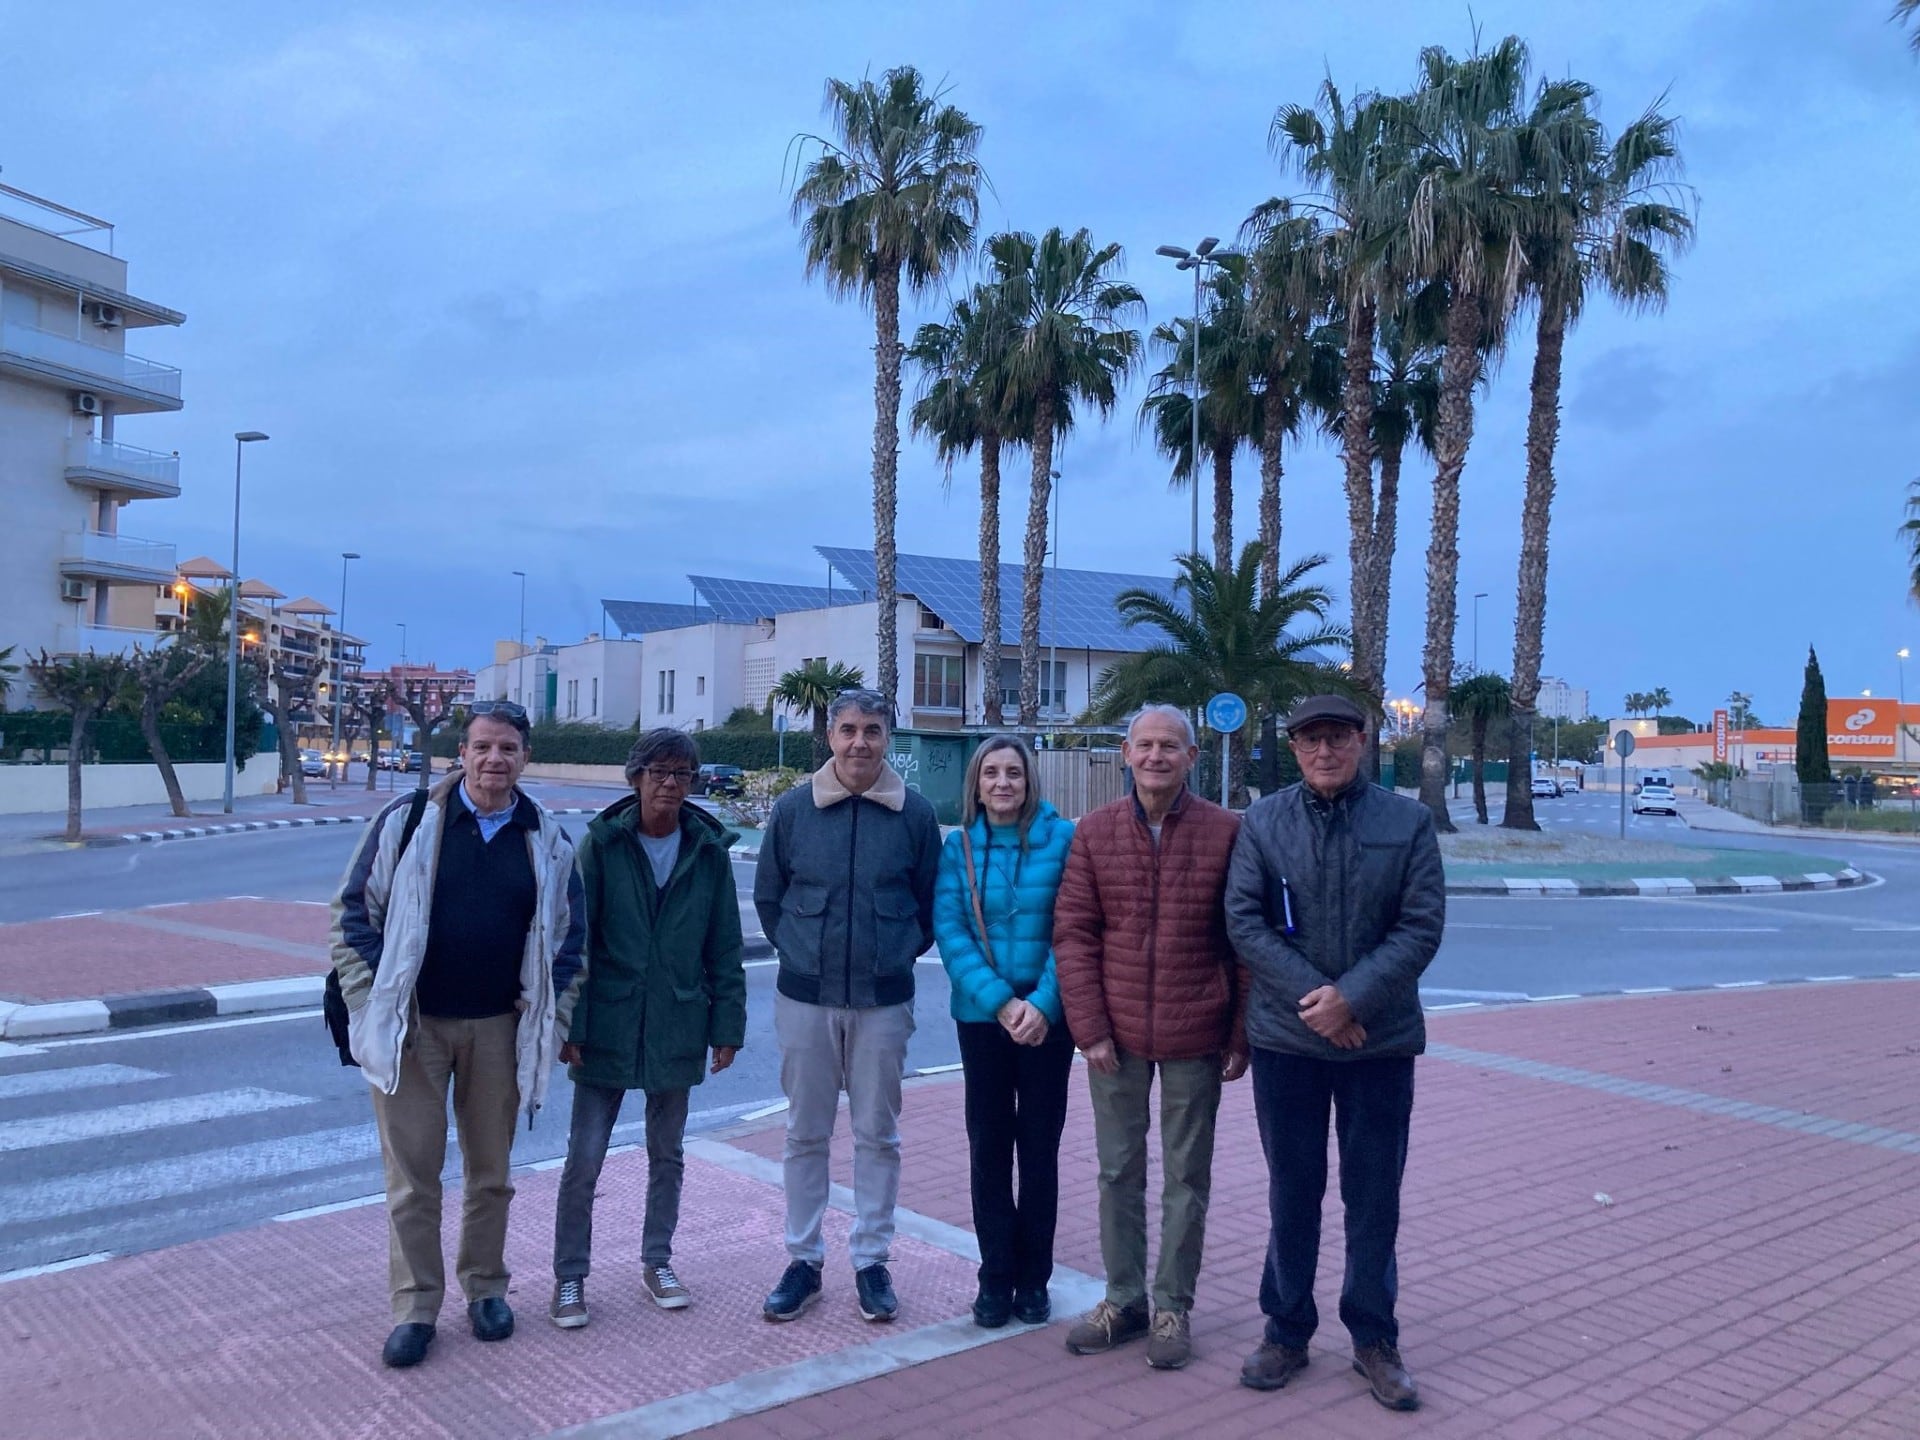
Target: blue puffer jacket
point(1016, 892)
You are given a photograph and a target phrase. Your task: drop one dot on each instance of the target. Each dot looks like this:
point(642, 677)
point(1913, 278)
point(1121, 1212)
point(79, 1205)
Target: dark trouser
point(1016, 1107)
point(596, 1109)
point(1372, 1103)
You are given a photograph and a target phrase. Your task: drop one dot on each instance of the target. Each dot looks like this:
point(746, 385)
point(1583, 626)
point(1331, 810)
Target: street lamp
point(520, 659)
point(1478, 596)
point(1900, 719)
point(1053, 659)
point(1196, 260)
point(241, 439)
point(403, 640)
point(340, 669)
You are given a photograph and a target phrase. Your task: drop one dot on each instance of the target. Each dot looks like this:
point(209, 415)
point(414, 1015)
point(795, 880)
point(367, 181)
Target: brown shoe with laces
point(1387, 1378)
point(1170, 1345)
point(1108, 1325)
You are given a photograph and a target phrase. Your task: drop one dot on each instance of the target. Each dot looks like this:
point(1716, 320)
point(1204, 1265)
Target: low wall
point(615, 775)
point(39, 789)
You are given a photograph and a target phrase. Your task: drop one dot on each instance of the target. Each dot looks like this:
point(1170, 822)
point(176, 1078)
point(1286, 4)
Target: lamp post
point(520, 659)
point(1196, 260)
point(340, 670)
point(1900, 718)
point(241, 439)
point(1478, 596)
point(1053, 658)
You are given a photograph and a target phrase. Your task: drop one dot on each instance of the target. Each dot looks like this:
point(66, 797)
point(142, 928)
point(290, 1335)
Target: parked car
point(1545, 788)
point(407, 761)
point(1655, 800)
point(313, 764)
point(727, 780)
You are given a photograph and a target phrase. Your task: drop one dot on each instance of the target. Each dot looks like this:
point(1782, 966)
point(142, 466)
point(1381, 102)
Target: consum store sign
point(1861, 729)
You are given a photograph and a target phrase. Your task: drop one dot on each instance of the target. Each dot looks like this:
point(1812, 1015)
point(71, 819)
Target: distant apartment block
point(73, 578)
point(1559, 700)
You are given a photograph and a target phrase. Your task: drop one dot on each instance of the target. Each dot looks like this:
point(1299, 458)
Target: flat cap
point(1325, 707)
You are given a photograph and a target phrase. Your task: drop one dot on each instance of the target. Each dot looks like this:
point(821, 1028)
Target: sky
point(515, 287)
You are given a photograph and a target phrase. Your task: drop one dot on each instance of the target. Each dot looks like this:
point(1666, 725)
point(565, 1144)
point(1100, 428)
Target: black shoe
point(1032, 1307)
point(796, 1293)
point(407, 1346)
point(491, 1318)
point(991, 1309)
point(875, 1287)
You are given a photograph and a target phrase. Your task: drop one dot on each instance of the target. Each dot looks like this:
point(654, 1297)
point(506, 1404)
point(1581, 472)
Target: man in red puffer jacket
point(1149, 982)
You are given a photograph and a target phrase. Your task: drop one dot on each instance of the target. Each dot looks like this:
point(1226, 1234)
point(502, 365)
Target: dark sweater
point(483, 899)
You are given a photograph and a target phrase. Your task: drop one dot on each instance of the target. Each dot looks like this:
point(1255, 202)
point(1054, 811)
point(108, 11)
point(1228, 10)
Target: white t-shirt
point(661, 853)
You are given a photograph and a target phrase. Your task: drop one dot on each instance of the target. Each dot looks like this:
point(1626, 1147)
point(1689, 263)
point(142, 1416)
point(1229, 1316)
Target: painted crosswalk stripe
point(78, 1077)
point(145, 1115)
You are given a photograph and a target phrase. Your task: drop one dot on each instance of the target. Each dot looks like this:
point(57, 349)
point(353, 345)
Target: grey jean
point(596, 1109)
point(825, 1049)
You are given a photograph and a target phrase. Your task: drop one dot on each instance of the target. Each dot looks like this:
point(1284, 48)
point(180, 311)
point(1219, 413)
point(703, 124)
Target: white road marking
point(145, 1115)
point(56, 1267)
point(1737, 984)
point(1648, 990)
point(78, 915)
point(1490, 925)
point(155, 1033)
point(79, 1077)
point(1700, 929)
point(1537, 999)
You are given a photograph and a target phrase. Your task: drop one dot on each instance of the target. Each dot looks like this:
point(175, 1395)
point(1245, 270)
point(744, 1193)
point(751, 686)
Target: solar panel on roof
point(744, 601)
point(643, 617)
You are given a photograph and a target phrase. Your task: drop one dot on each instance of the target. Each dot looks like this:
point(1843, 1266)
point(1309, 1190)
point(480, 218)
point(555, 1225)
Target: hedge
point(596, 745)
point(112, 740)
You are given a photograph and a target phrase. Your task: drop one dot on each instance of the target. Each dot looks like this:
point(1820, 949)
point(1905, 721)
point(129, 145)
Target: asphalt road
point(132, 1141)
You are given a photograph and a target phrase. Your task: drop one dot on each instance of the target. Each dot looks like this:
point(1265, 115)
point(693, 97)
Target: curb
point(1505, 1001)
point(1533, 887)
point(242, 827)
point(55, 1018)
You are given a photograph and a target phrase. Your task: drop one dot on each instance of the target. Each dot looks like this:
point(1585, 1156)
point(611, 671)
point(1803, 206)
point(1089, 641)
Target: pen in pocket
point(1287, 923)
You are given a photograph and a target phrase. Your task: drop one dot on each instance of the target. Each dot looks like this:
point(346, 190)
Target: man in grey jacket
point(844, 887)
point(1335, 901)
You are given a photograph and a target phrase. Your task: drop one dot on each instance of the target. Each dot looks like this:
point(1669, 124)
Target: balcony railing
point(94, 556)
point(103, 639)
point(92, 461)
point(112, 369)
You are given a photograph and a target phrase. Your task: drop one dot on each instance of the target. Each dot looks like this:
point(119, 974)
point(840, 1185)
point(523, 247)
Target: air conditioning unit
point(85, 402)
point(73, 589)
point(107, 317)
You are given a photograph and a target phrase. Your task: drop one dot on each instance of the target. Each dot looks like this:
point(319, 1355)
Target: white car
point(1545, 788)
point(1655, 800)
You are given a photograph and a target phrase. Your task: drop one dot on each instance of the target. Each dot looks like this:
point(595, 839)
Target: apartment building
point(73, 577)
point(1559, 700)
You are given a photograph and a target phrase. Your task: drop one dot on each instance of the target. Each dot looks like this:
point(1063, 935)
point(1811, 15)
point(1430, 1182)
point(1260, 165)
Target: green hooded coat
point(664, 979)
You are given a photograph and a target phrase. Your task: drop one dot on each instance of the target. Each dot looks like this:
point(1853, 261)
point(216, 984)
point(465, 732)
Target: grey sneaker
point(1170, 1345)
point(1107, 1325)
point(665, 1288)
point(569, 1308)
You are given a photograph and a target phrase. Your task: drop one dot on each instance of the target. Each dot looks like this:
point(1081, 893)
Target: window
point(596, 696)
point(930, 621)
point(939, 682)
point(1053, 697)
point(665, 706)
point(699, 684)
point(573, 698)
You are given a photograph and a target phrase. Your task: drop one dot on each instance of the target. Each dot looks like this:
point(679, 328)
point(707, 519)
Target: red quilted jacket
point(1140, 936)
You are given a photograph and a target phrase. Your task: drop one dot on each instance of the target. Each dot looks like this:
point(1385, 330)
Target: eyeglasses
point(1338, 740)
point(506, 708)
point(661, 775)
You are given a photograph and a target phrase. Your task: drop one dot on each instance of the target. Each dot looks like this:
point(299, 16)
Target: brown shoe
point(1392, 1386)
point(1272, 1366)
point(1171, 1344)
point(1108, 1325)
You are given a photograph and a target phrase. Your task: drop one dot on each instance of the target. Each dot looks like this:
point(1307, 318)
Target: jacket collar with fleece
point(889, 790)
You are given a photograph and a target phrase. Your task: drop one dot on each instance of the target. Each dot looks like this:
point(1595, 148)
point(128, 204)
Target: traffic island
point(1519, 862)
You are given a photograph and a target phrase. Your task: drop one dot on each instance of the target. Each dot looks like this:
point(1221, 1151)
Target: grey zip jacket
point(1369, 902)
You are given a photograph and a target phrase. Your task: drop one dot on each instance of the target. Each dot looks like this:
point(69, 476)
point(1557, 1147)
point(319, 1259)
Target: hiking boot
point(798, 1290)
point(491, 1318)
point(1108, 1325)
point(1387, 1378)
point(1272, 1366)
point(1032, 1307)
point(665, 1288)
point(875, 1289)
point(407, 1346)
point(1170, 1345)
point(569, 1308)
point(992, 1309)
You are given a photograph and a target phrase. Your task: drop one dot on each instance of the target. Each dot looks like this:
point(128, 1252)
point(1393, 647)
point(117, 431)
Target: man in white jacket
point(459, 957)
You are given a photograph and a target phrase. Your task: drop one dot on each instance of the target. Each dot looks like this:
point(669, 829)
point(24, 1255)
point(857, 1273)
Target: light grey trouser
point(825, 1049)
point(596, 1109)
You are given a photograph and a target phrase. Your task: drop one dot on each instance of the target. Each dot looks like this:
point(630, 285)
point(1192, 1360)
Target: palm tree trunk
point(1356, 441)
point(1371, 608)
point(1239, 757)
point(886, 470)
point(1453, 433)
point(373, 749)
point(1480, 766)
point(76, 756)
point(990, 579)
point(1034, 561)
point(1272, 424)
point(821, 750)
point(1536, 511)
point(162, 761)
point(1223, 504)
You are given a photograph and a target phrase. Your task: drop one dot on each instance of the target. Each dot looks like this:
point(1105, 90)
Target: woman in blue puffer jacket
point(993, 919)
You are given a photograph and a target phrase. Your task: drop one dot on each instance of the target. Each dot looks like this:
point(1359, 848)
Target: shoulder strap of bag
point(416, 807)
point(973, 894)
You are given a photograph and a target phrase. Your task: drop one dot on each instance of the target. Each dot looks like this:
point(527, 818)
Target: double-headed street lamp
point(1478, 596)
point(520, 659)
point(340, 670)
point(241, 440)
point(1196, 260)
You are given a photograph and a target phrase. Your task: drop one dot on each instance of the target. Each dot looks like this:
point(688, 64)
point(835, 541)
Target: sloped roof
point(745, 601)
point(204, 567)
point(635, 618)
point(305, 605)
point(260, 590)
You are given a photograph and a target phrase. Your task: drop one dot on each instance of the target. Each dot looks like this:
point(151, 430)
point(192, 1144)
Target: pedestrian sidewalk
point(1687, 1215)
point(1699, 815)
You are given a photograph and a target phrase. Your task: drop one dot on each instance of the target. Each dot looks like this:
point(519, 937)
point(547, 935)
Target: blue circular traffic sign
point(1226, 712)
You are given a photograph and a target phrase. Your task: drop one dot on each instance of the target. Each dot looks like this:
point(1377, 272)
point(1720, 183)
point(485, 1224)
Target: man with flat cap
point(1335, 902)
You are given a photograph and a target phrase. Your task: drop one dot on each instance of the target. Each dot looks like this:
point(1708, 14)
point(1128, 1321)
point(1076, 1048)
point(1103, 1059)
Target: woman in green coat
point(664, 986)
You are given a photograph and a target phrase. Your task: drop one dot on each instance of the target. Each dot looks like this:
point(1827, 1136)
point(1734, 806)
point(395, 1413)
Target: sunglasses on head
point(507, 708)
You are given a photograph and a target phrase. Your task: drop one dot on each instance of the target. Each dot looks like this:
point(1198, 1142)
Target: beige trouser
point(478, 1056)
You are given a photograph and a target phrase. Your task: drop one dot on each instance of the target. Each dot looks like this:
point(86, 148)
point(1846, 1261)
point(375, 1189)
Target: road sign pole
point(1226, 713)
point(1225, 778)
point(1623, 744)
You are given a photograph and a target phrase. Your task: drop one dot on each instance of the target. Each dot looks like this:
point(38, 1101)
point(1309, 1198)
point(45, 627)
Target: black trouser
point(1372, 1105)
point(1016, 1106)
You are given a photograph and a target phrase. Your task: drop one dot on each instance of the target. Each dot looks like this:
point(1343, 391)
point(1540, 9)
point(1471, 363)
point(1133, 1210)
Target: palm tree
point(1598, 215)
point(962, 405)
point(893, 193)
point(1464, 174)
point(1910, 537)
point(8, 669)
point(1903, 11)
point(810, 689)
point(1658, 700)
point(1223, 634)
point(1635, 703)
point(1480, 698)
point(1068, 344)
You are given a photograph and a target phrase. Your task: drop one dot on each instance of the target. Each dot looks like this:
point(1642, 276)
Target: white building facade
point(1559, 700)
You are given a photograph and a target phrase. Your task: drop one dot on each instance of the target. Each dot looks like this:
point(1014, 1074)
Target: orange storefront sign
point(1861, 729)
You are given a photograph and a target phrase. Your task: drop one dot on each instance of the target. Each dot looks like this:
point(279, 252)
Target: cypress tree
point(1810, 759)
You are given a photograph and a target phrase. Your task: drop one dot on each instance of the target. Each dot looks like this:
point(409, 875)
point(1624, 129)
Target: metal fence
point(1849, 805)
point(1077, 781)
